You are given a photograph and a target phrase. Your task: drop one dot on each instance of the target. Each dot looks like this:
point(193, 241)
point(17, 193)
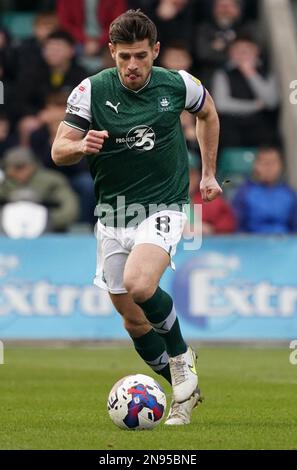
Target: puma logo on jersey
point(108, 103)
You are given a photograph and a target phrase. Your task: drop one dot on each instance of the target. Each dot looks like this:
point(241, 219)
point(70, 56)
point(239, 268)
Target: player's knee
point(139, 288)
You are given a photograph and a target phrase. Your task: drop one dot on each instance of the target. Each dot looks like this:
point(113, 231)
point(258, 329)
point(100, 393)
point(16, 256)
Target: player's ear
point(156, 50)
point(112, 50)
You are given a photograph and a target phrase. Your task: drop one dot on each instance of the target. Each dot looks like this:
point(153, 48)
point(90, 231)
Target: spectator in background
point(30, 51)
point(19, 133)
point(204, 9)
point(6, 139)
point(266, 204)
point(176, 56)
point(57, 72)
point(142, 4)
point(246, 96)
point(32, 5)
point(214, 37)
point(77, 175)
point(7, 71)
point(24, 129)
point(88, 21)
point(174, 20)
point(217, 215)
point(7, 53)
point(26, 180)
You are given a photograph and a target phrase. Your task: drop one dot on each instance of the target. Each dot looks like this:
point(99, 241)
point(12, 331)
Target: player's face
point(134, 61)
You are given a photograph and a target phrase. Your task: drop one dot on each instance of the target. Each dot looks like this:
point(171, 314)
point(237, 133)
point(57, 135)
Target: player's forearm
point(207, 130)
point(67, 152)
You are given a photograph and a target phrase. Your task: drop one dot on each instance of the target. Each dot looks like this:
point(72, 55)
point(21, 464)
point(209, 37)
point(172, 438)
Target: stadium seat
point(236, 161)
point(235, 165)
point(19, 24)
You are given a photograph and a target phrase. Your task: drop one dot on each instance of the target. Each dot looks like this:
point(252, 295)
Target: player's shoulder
point(166, 74)
point(176, 76)
point(103, 76)
point(189, 79)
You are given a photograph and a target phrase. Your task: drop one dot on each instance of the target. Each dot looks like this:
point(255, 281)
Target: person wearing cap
point(25, 179)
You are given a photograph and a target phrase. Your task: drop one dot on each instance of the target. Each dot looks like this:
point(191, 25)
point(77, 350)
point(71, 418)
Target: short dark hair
point(62, 36)
point(270, 148)
point(132, 26)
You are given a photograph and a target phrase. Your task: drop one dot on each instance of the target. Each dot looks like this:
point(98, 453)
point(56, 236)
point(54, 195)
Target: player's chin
point(134, 80)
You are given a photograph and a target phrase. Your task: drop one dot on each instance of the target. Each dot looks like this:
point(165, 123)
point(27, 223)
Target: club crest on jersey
point(139, 138)
point(164, 104)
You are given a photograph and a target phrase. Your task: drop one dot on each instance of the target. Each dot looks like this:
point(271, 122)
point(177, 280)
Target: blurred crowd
point(216, 40)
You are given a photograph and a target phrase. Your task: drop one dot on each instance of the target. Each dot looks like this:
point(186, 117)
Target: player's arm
point(199, 102)
point(71, 145)
point(74, 140)
point(207, 131)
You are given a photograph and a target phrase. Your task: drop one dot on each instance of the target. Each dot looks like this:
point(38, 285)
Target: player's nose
point(132, 66)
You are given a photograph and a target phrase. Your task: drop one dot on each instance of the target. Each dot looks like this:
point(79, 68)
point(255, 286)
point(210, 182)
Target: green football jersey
point(145, 160)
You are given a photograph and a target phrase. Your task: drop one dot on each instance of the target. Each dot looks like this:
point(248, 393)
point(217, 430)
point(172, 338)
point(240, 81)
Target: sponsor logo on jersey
point(164, 104)
point(139, 137)
point(72, 109)
point(76, 95)
point(113, 106)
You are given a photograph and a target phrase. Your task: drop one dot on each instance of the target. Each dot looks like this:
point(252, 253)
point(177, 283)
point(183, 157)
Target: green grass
point(56, 399)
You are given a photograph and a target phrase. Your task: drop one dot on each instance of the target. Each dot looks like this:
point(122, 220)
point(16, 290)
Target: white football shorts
point(114, 245)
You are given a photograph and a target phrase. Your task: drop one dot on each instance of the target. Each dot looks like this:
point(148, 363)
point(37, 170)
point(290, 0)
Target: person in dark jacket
point(57, 72)
point(246, 96)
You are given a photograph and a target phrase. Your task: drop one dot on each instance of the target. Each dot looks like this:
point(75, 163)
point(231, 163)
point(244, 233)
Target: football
point(136, 402)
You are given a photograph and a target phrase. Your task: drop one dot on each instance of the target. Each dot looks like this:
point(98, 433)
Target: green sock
point(160, 312)
point(151, 348)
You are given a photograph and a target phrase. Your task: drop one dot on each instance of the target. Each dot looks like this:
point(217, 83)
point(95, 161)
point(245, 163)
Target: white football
point(136, 402)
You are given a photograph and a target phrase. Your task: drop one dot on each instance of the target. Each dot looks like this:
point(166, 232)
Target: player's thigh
point(111, 260)
point(155, 243)
point(145, 266)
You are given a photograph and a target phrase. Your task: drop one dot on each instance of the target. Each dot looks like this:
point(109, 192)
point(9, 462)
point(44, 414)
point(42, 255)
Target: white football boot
point(183, 375)
point(180, 413)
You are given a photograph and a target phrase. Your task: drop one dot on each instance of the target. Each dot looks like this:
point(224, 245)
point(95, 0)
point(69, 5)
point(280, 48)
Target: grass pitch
point(56, 399)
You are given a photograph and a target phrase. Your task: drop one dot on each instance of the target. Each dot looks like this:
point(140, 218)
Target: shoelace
point(176, 411)
point(179, 371)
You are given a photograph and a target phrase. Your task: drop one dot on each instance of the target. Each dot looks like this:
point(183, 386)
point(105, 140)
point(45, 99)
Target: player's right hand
point(93, 141)
point(209, 188)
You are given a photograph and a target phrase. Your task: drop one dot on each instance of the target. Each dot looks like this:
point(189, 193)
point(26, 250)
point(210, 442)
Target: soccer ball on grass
point(136, 402)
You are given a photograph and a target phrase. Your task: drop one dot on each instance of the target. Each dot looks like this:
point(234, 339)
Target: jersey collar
point(135, 91)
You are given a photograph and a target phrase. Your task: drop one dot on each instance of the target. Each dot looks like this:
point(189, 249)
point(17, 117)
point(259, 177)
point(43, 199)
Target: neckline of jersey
point(135, 91)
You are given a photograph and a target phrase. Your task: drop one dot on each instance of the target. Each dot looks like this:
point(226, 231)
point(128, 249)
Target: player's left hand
point(210, 188)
